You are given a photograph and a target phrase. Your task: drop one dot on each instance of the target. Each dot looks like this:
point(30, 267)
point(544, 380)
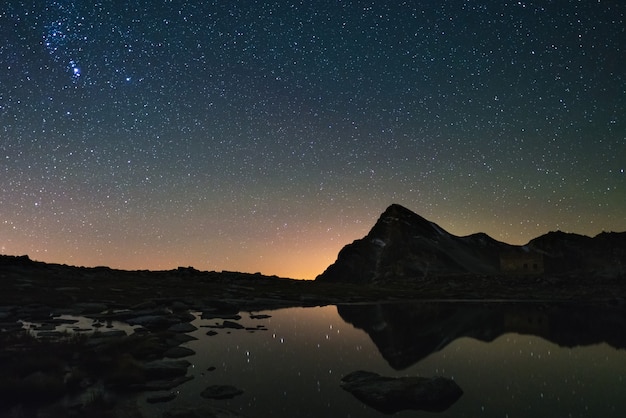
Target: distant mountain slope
point(403, 245)
point(603, 255)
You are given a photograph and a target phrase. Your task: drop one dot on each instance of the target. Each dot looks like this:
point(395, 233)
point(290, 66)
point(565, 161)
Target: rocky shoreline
point(85, 341)
point(56, 367)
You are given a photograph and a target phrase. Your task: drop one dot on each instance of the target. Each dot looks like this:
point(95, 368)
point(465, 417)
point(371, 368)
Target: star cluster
point(264, 136)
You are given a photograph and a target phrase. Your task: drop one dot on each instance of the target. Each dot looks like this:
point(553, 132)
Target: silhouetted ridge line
point(403, 246)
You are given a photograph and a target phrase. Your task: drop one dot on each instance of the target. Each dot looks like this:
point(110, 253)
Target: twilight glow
point(264, 136)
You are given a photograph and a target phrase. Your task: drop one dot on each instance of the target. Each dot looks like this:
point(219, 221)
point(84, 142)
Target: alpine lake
point(510, 359)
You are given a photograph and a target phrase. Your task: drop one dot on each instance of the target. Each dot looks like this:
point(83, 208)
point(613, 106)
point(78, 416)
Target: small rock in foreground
point(390, 395)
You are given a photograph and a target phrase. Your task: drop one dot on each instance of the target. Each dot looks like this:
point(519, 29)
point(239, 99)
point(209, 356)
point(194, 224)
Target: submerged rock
point(390, 395)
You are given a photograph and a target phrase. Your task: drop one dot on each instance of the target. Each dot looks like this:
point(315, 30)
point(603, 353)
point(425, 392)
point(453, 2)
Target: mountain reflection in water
point(510, 359)
point(405, 333)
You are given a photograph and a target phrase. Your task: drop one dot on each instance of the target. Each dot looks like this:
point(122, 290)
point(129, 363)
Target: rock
point(46, 327)
point(221, 392)
point(169, 384)
point(259, 316)
point(232, 325)
point(57, 312)
point(34, 313)
point(67, 321)
point(185, 317)
point(211, 333)
point(89, 308)
point(50, 334)
point(177, 339)
point(257, 328)
point(11, 326)
point(115, 333)
point(68, 289)
point(225, 325)
point(204, 411)
point(78, 329)
point(150, 304)
point(179, 306)
point(7, 309)
point(101, 338)
point(390, 395)
point(105, 338)
point(182, 327)
point(165, 369)
point(213, 315)
point(178, 352)
point(221, 307)
point(161, 397)
point(153, 322)
point(41, 387)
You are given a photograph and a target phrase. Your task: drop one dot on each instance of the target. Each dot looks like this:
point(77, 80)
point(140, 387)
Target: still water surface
point(511, 360)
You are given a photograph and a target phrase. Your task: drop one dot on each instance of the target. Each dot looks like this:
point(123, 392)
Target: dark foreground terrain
point(96, 370)
point(24, 282)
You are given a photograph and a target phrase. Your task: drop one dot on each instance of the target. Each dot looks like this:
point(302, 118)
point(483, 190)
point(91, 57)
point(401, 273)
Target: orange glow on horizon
point(290, 256)
point(302, 249)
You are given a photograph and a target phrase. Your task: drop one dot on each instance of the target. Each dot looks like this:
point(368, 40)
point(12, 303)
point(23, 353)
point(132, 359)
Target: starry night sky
point(264, 136)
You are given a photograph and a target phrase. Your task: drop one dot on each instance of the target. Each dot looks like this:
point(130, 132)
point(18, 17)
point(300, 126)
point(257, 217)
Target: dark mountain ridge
point(403, 245)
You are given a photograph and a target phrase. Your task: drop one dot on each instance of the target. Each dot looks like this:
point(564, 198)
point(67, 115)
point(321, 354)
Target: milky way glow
point(264, 136)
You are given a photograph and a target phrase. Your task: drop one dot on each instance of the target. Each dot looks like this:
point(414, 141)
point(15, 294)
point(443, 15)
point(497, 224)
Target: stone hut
point(521, 262)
